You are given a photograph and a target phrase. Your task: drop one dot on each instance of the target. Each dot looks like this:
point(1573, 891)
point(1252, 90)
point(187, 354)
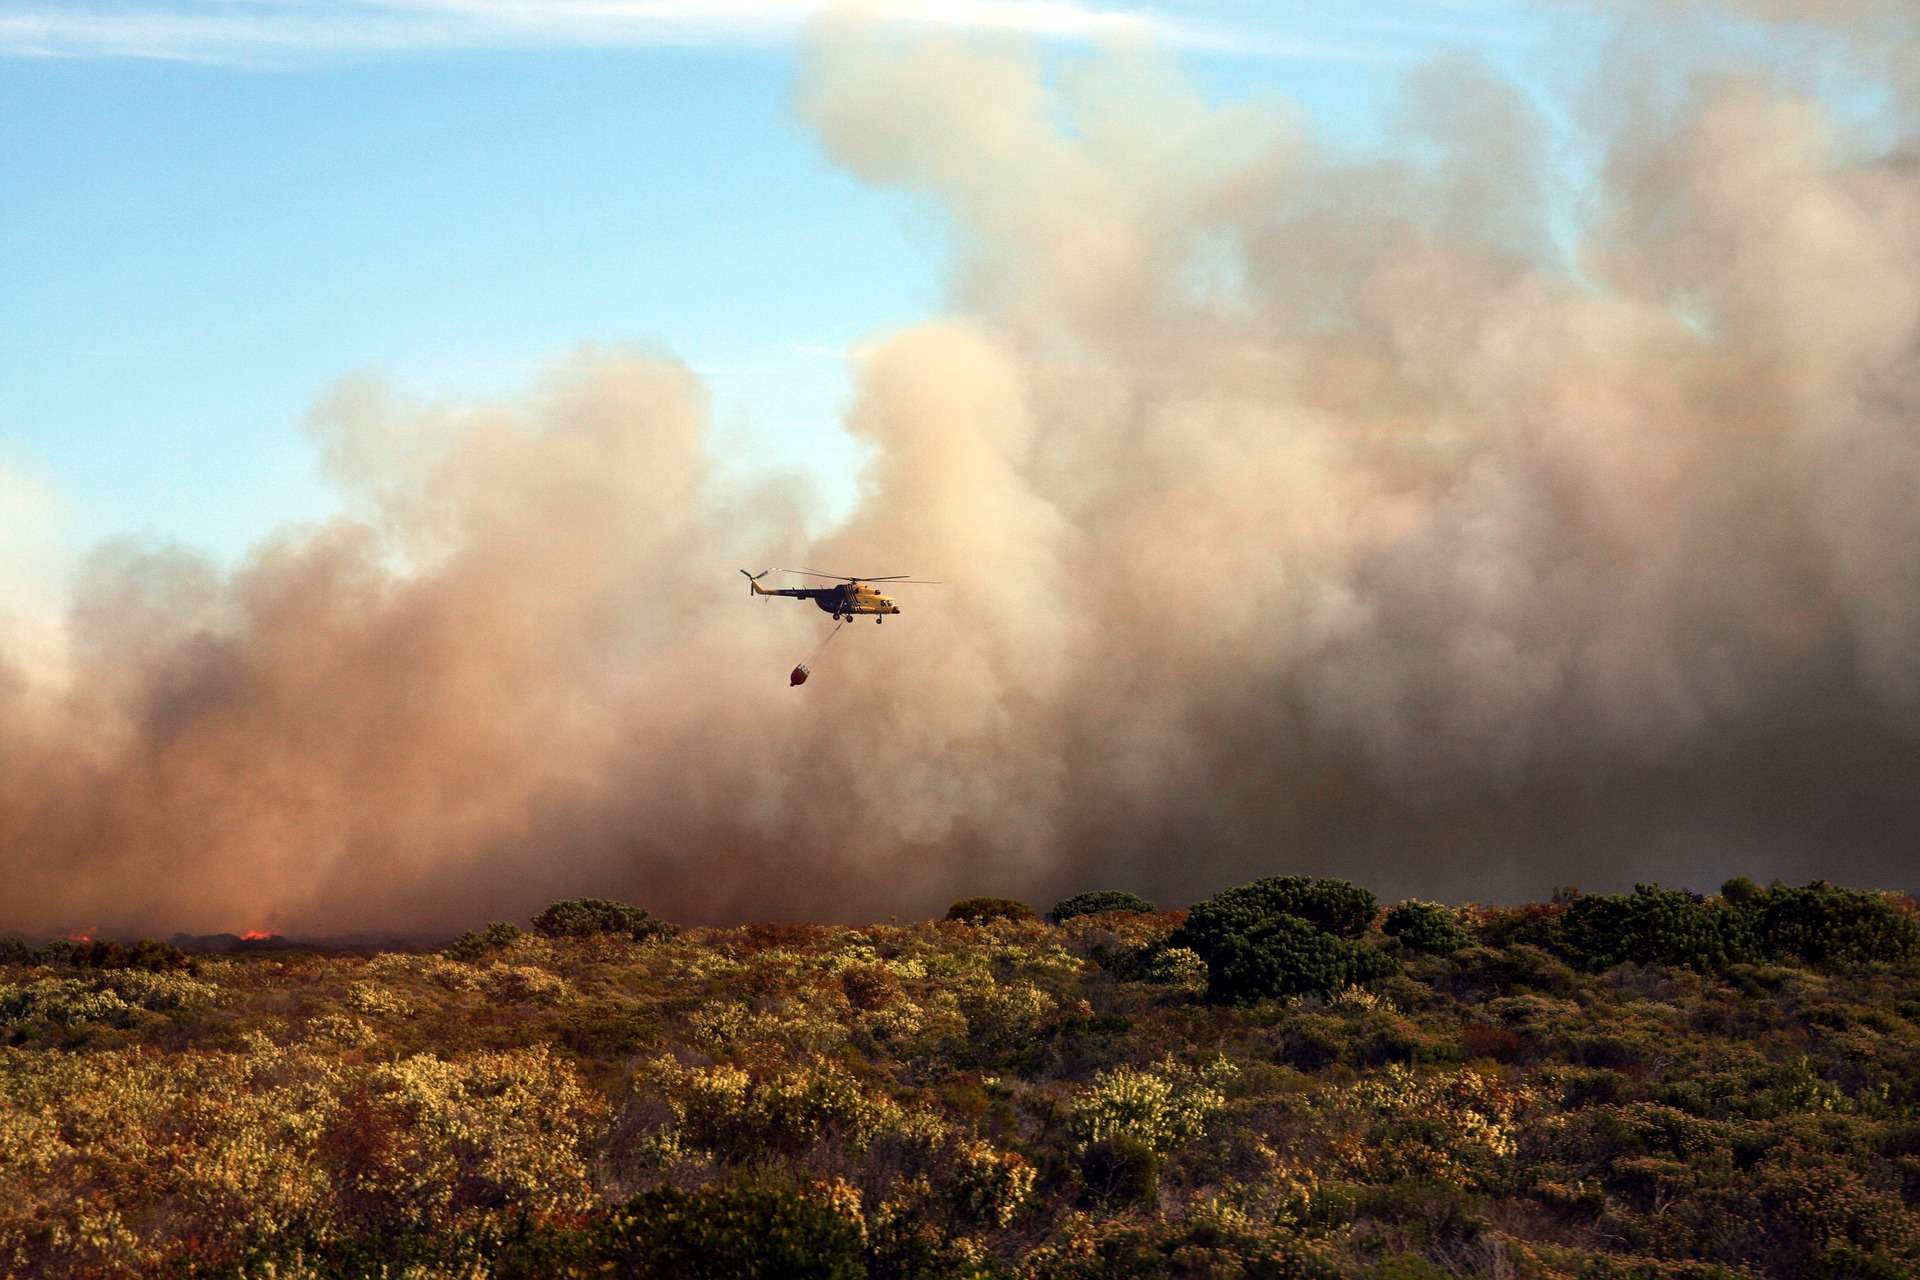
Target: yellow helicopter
point(853, 597)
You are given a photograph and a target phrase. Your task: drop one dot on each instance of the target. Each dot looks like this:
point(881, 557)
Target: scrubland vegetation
point(1286, 1081)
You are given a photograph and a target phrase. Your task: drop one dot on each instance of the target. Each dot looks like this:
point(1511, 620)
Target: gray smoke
point(1298, 513)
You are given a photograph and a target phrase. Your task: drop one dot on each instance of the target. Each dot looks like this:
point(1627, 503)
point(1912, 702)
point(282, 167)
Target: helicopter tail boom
point(753, 582)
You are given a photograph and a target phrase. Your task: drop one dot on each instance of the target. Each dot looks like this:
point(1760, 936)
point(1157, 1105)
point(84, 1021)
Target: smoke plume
point(1397, 518)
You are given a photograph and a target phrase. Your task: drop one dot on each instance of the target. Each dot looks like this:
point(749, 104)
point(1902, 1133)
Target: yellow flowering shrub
point(168, 990)
point(342, 1029)
point(729, 1113)
point(1162, 1107)
point(115, 996)
point(62, 1001)
point(524, 984)
point(450, 975)
point(378, 1001)
point(1178, 967)
point(1450, 1126)
point(999, 1013)
point(275, 1147)
point(995, 1185)
point(1352, 999)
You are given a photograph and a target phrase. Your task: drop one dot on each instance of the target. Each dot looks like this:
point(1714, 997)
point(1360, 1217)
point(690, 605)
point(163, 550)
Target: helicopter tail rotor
point(753, 581)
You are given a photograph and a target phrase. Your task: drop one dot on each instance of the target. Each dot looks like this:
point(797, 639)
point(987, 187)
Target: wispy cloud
point(279, 31)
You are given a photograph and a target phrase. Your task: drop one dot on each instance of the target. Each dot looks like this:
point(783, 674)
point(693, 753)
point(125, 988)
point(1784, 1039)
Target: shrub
point(1098, 902)
point(1826, 924)
point(1334, 907)
point(584, 917)
point(1651, 925)
point(1536, 924)
point(473, 944)
point(729, 1231)
point(1426, 926)
point(984, 910)
point(1120, 1170)
point(1739, 889)
point(1162, 1107)
point(1176, 966)
point(1286, 956)
point(1000, 1015)
point(154, 957)
point(524, 983)
point(1478, 1040)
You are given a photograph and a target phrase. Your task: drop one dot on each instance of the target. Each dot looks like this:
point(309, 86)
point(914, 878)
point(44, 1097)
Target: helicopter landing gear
point(878, 621)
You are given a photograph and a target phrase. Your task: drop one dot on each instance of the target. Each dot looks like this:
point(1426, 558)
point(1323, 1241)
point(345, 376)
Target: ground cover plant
point(1287, 1080)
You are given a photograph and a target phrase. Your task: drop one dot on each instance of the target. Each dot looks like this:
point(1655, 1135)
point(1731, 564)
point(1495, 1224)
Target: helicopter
point(853, 597)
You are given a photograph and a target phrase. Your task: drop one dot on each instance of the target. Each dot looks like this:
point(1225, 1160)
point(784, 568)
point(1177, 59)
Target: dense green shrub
point(1331, 906)
point(731, 1231)
point(1534, 924)
point(1121, 1170)
point(1739, 889)
point(1285, 935)
point(1426, 926)
point(1826, 924)
point(1286, 956)
point(1161, 1250)
point(1651, 925)
point(153, 957)
point(1819, 924)
point(476, 943)
point(584, 917)
point(1098, 901)
point(748, 1230)
point(982, 910)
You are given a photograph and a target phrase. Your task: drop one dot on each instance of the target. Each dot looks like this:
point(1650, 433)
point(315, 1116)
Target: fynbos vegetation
point(1284, 1081)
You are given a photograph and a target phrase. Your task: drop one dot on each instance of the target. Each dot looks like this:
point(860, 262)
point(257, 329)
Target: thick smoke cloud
point(1297, 513)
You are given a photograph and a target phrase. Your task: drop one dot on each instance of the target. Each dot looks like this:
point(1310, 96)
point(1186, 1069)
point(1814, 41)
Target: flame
point(81, 935)
point(255, 935)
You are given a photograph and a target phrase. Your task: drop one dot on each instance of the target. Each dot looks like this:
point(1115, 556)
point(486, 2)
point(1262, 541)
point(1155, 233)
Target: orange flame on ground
point(255, 935)
point(80, 935)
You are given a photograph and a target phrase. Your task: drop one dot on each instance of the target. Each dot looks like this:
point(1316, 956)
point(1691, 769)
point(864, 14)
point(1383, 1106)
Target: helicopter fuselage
point(845, 601)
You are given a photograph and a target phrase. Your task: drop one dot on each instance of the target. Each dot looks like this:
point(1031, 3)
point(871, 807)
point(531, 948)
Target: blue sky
point(211, 212)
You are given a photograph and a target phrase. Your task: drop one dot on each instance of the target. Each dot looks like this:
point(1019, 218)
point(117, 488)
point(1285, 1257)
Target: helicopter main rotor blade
point(840, 577)
point(815, 573)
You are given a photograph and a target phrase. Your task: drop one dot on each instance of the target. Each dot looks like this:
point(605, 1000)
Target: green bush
point(1285, 935)
point(983, 910)
point(154, 957)
point(1818, 924)
point(1204, 1245)
point(584, 917)
point(1121, 1170)
point(1098, 901)
point(474, 944)
point(1332, 906)
point(749, 1230)
point(1652, 925)
point(733, 1231)
point(1826, 924)
point(1286, 956)
point(1426, 926)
